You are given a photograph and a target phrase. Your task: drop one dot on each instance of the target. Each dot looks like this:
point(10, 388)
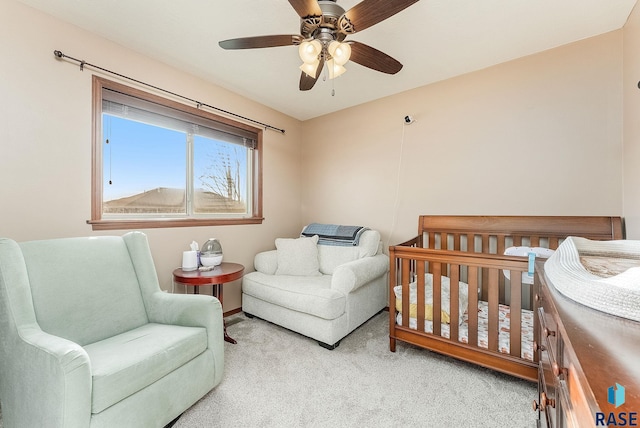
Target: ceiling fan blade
point(370, 12)
point(261, 41)
point(373, 58)
point(306, 8)
point(307, 82)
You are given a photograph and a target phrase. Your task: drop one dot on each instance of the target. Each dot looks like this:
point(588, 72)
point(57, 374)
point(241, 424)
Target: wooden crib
point(466, 254)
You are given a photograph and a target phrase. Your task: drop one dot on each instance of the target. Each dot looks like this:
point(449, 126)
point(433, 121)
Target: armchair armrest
point(350, 276)
point(266, 262)
point(61, 370)
point(189, 310)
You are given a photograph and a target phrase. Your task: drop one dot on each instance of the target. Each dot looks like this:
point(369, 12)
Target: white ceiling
point(434, 39)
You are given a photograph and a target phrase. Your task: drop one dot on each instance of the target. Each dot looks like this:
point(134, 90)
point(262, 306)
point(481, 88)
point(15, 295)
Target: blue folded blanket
point(334, 234)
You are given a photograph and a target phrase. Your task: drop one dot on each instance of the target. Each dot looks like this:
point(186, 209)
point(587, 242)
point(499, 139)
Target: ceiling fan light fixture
point(309, 51)
point(310, 68)
point(335, 69)
point(340, 52)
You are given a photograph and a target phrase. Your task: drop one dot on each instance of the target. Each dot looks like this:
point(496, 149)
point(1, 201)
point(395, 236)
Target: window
point(159, 163)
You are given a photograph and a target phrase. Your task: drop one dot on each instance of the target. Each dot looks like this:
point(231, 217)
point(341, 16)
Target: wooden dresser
point(582, 353)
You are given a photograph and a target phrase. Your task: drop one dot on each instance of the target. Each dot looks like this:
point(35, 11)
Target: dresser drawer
point(546, 345)
point(548, 329)
point(586, 352)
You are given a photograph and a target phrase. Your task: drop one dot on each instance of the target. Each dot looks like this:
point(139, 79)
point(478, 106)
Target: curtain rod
point(59, 55)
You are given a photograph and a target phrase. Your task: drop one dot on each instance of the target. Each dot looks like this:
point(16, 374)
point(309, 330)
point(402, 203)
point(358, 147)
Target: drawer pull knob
point(544, 402)
point(537, 347)
point(559, 371)
point(548, 332)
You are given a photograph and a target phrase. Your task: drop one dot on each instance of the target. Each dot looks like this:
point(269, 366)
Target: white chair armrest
point(266, 262)
point(350, 276)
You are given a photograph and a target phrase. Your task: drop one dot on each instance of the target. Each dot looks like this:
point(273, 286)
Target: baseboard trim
point(232, 312)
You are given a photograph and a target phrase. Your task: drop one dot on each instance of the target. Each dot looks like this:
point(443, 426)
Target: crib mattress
point(504, 314)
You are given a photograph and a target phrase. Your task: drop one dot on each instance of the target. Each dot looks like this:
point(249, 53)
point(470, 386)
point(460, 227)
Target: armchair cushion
point(100, 284)
point(312, 295)
point(298, 256)
point(124, 364)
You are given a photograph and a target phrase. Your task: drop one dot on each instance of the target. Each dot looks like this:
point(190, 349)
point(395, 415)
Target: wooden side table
point(217, 277)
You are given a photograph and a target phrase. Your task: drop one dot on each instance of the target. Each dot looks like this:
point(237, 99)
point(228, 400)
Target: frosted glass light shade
point(341, 52)
point(309, 51)
point(310, 68)
point(335, 70)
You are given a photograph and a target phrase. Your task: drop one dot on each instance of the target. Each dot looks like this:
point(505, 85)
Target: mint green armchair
point(88, 339)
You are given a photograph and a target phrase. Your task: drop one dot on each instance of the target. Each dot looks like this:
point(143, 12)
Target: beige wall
point(541, 135)
point(631, 154)
point(45, 143)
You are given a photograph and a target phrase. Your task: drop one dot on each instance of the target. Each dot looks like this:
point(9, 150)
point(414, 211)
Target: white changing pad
point(617, 294)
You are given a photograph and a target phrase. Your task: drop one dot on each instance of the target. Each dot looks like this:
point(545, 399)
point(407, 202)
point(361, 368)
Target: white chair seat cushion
point(124, 364)
point(310, 295)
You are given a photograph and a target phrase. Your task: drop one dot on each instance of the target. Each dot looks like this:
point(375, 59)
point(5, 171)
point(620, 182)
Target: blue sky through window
point(141, 157)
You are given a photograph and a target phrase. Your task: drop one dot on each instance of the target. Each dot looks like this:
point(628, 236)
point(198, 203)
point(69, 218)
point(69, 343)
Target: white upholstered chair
point(321, 291)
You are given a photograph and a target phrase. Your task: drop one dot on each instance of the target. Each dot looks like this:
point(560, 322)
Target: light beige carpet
point(277, 378)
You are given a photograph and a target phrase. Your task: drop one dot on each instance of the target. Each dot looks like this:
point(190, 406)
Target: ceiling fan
point(324, 25)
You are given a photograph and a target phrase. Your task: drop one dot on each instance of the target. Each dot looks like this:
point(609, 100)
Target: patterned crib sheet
point(504, 314)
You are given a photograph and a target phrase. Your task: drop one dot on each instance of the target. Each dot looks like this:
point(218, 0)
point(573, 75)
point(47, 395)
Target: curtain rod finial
point(58, 54)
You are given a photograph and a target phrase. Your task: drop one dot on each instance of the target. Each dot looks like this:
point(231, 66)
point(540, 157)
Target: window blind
point(132, 108)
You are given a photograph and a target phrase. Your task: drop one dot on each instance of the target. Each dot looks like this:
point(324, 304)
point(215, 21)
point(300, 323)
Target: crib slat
point(420, 271)
point(394, 266)
point(534, 241)
point(515, 314)
point(444, 241)
point(553, 242)
point(501, 247)
point(493, 309)
point(454, 309)
point(473, 306)
point(405, 291)
point(501, 243)
point(456, 242)
point(485, 278)
point(437, 299)
point(485, 243)
point(471, 243)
